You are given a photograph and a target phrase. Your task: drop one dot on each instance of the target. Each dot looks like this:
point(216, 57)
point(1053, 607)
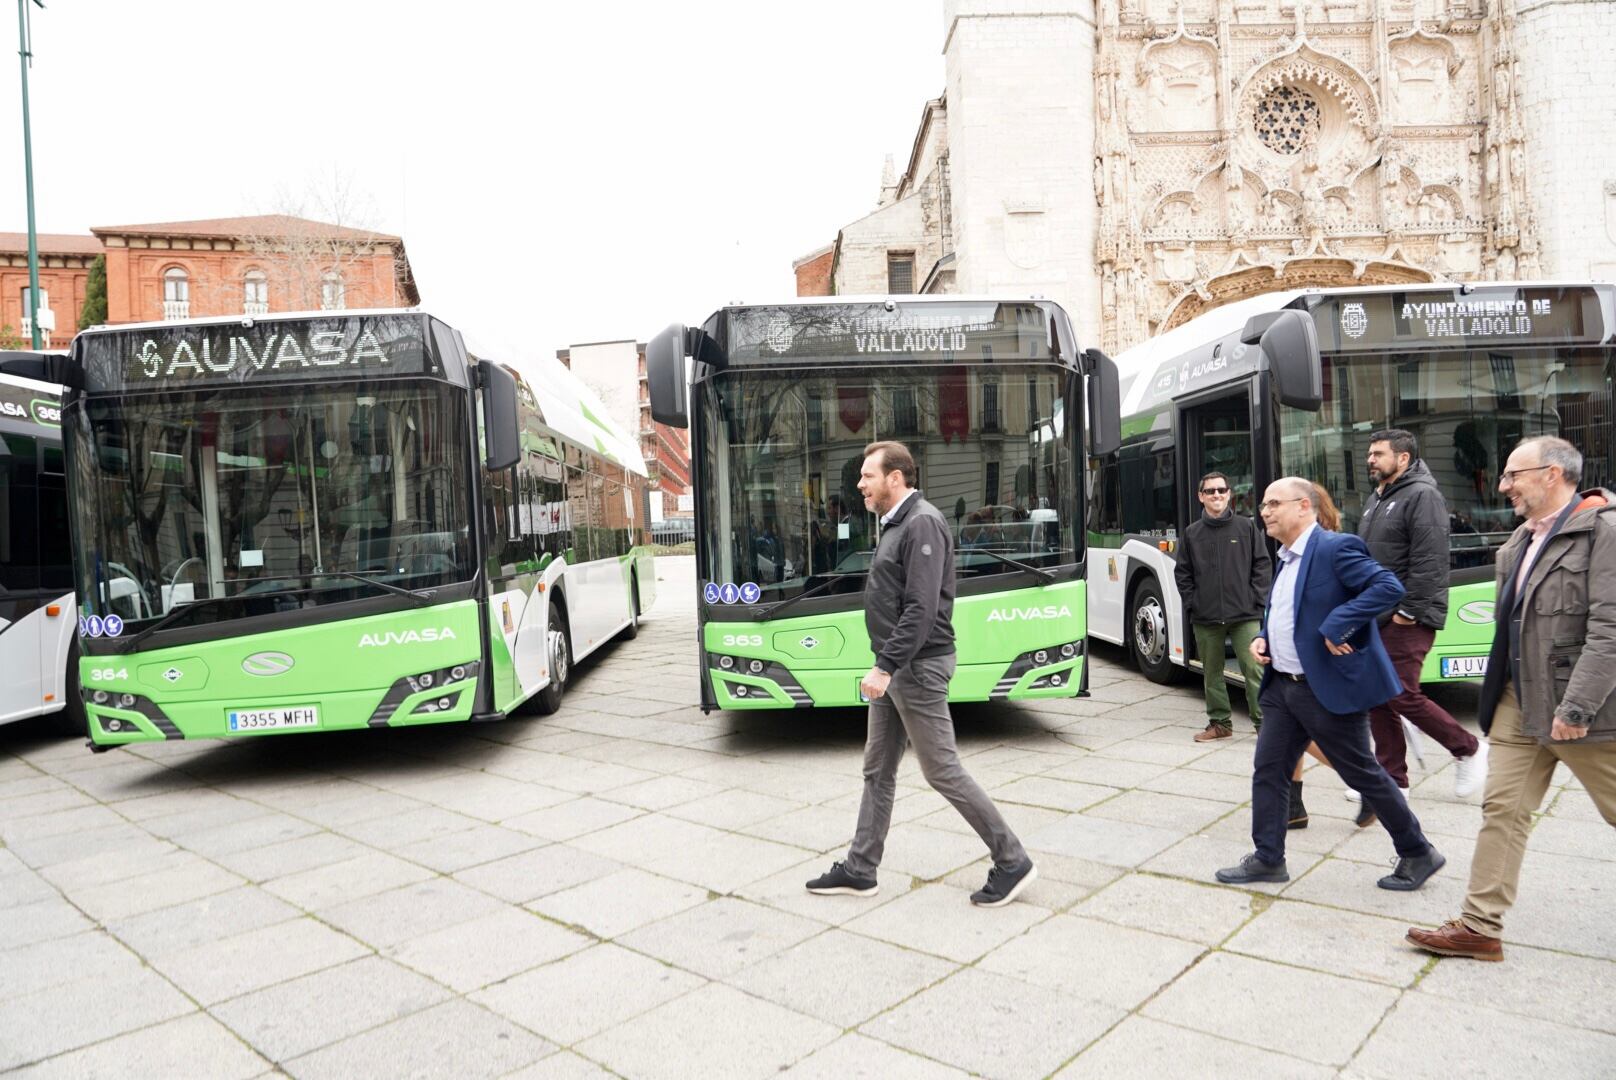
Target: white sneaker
point(1470, 773)
point(1351, 796)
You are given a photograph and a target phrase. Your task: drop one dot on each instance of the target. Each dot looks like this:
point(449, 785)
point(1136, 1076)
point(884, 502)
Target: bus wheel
point(1147, 633)
point(632, 630)
point(71, 721)
point(560, 657)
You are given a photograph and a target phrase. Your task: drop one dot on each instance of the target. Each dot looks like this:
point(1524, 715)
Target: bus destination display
point(1434, 319)
point(171, 357)
point(928, 332)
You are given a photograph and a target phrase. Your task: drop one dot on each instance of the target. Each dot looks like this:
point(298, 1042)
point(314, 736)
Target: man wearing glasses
point(1550, 692)
point(1223, 572)
point(1326, 670)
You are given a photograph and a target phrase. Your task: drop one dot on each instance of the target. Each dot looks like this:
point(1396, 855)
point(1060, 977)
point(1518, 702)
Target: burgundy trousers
point(1407, 646)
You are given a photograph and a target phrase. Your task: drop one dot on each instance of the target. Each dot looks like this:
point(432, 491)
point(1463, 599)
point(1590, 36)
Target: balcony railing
point(255, 307)
point(176, 309)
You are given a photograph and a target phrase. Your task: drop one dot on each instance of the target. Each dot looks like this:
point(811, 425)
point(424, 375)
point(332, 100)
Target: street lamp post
point(25, 51)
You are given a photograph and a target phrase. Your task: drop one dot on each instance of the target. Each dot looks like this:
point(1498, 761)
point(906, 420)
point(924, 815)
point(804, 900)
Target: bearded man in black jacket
point(1223, 574)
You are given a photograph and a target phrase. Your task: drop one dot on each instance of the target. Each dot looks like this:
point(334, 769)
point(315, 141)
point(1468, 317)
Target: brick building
point(222, 266)
point(64, 269)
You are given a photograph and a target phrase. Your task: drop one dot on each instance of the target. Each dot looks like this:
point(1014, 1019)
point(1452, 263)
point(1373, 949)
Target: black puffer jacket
point(1223, 569)
point(1406, 528)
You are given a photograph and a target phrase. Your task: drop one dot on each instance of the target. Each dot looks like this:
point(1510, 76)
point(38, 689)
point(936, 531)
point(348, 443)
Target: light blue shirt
point(1282, 606)
point(886, 517)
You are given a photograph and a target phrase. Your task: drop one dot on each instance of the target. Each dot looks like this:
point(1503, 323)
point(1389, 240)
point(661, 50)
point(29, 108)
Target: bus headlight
point(126, 701)
point(726, 662)
point(458, 672)
point(739, 691)
point(756, 667)
point(100, 697)
point(1041, 656)
point(1067, 650)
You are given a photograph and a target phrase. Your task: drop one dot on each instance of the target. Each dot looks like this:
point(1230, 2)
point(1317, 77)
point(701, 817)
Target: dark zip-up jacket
point(909, 596)
point(1223, 569)
point(1406, 528)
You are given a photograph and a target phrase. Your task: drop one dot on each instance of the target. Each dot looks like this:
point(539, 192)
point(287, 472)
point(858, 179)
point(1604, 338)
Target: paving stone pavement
point(616, 890)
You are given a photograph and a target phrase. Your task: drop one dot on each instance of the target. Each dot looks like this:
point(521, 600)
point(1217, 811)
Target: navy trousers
point(1293, 717)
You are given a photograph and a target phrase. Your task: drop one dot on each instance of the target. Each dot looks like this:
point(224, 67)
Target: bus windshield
point(1468, 409)
point(782, 508)
point(266, 499)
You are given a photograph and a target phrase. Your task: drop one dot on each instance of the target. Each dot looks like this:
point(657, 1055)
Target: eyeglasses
point(1275, 504)
point(1215, 491)
point(1510, 475)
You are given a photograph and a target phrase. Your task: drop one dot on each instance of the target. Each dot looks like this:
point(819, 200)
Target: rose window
point(1287, 119)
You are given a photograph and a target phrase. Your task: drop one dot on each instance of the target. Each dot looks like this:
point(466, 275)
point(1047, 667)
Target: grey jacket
point(909, 597)
point(1563, 648)
point(1406, 528)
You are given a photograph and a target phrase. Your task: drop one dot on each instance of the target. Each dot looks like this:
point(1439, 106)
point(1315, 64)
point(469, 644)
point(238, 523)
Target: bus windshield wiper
point(172, 617)
point(830, 579)
point(1044, 575)
point(421, 597)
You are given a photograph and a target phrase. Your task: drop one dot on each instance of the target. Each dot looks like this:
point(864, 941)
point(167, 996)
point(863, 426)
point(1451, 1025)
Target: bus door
point(1215, 434)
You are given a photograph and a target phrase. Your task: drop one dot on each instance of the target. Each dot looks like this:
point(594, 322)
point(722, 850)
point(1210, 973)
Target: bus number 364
point(754, 640)
point(97, 674)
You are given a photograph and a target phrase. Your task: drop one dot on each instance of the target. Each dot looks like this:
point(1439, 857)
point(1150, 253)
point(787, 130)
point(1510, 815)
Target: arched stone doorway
point(1248, 281)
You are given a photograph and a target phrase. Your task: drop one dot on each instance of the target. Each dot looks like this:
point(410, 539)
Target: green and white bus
point(336, 520)
point(991, 396)
point(1469, 369)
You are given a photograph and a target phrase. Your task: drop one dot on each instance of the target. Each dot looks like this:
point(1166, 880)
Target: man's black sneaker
point(839, 881)
point(1366, 816)
point(1004, 886)
point(1409, 874)
point(1252, 869)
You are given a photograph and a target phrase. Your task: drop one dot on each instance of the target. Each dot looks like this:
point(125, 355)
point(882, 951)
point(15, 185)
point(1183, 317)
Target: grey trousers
point(915, 710)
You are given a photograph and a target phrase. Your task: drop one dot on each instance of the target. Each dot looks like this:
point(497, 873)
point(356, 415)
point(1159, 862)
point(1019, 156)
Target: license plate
point(1463, 667)
point(283, 718)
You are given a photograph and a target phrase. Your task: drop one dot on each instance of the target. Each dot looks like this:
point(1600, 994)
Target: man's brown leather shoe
point(1454, 938)
point(1213, 732)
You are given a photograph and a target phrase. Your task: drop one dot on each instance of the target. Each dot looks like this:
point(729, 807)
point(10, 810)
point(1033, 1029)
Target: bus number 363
point(754, 640)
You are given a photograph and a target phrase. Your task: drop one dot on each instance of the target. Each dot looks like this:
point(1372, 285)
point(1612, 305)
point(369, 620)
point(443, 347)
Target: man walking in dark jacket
point(1222, 573)
point(908, 605)
point(1405, 525)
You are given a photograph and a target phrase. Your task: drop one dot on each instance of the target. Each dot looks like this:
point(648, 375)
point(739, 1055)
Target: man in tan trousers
point(1548, 696)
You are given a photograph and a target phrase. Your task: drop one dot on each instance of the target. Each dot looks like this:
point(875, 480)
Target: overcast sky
point(561, 173)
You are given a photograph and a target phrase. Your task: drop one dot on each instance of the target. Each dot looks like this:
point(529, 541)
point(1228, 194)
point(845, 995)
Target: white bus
point(1470, 369)
point(37, 653)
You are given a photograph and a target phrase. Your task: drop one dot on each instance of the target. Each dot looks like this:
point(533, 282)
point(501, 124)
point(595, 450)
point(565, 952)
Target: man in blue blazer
point(1326, 668)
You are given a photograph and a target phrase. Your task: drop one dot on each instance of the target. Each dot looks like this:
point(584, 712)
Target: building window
point(333, 297)
point(1287, 119)
point(176, 293)
point(255, 293)
point(905, 411)
point(990, 483)
point(900, 272)
point(990, 406)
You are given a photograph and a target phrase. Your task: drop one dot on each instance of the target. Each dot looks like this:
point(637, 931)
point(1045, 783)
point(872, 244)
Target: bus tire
point(70, 721)
point(1147, 633)
point(558, 641)
point(632, 630)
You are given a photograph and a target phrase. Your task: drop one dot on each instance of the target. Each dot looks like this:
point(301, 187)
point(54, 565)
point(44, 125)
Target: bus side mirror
point(38, 366)
point(502, 442)
point(665, 374)
point(1290, 345)
point(1105, 404)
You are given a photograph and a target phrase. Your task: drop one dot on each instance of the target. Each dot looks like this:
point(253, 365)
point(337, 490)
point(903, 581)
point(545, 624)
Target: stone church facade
point(1143, 161)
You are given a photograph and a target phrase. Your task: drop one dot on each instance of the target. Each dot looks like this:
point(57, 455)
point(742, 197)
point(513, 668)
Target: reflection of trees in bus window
point(1472, 408)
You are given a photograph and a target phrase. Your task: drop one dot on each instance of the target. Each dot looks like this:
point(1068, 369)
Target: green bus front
point(274, 527)
point(785, 399)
